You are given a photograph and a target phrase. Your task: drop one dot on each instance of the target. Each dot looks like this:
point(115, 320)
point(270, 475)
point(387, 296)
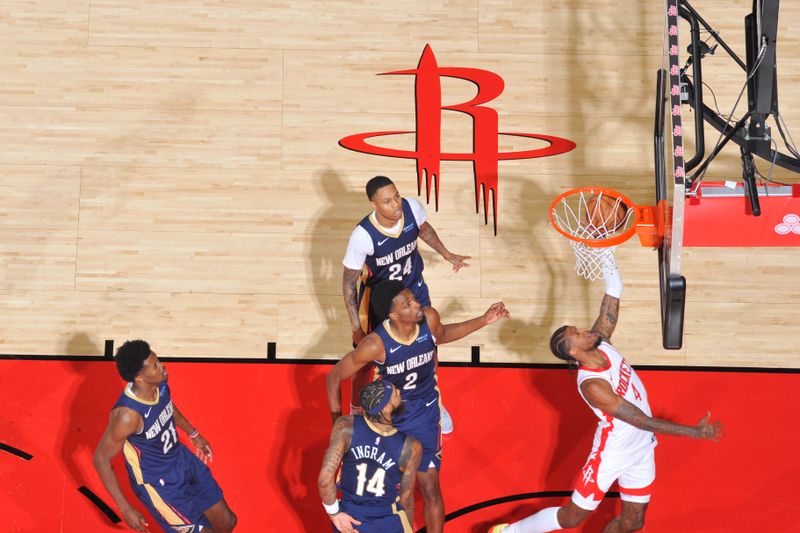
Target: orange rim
point(598, 243)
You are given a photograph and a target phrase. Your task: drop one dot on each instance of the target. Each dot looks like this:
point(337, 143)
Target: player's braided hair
point(382, 296)
point(372, 395)
point(559, 345)
point(130, 358)
point(378, 182)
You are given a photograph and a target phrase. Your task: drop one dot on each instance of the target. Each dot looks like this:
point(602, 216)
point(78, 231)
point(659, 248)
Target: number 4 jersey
point(151, 452)
point(371, 469)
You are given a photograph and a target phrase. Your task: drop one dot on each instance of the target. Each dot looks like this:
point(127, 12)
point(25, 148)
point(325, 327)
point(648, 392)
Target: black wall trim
point(16, 451)
point(103, 506)
point(473, 363)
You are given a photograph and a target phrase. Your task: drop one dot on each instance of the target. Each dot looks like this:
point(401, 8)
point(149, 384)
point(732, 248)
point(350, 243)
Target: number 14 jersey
point(371, 468)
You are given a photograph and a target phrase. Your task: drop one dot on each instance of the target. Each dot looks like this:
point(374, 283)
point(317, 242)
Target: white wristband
point(613, 280)
point(332, 508)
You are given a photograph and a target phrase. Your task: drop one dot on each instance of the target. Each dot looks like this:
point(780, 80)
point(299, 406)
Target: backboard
point(670, 183)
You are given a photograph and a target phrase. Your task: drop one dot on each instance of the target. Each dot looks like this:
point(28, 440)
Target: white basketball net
point(576, 217)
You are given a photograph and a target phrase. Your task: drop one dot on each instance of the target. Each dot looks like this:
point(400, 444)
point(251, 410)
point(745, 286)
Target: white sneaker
point(447, 422)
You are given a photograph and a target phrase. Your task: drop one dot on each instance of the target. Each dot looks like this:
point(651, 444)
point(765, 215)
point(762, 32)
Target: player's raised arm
point(410, 457)
point(326, 482)
point(369, 349)
point(428, 234)
point(122, 423)
point(599, 394)
point(445, 333)
point(606, 321)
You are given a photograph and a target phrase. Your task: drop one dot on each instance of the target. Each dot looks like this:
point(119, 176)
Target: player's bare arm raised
point(606, 321)
point(326, 482)
point(445, 333)
point(428, 234)
point(599, 394)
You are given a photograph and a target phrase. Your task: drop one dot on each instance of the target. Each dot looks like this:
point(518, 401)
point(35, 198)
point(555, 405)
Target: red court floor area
point(521, 436)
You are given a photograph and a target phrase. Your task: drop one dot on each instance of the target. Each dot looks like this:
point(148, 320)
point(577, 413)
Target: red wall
point(517, 431)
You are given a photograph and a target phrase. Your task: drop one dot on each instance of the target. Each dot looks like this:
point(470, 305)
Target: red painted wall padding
point(517, 431)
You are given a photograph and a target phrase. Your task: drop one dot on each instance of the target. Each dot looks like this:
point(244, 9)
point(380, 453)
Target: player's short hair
point(372, 395)
point(559, 345)
point(130, 358)
point(383, 295)
point(378, 182)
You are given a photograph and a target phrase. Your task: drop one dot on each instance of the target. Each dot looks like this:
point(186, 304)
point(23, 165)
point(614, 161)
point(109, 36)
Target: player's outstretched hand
point(135, 520)
point(203, 448)
point(344, 522)
point(495, 312)
point(712, 431)
point(458, 261)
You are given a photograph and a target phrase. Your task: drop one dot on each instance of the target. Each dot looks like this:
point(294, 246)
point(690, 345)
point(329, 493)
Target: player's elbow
point(324, 482)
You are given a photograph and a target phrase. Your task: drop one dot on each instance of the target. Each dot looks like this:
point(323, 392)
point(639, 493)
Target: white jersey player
point(624, 443)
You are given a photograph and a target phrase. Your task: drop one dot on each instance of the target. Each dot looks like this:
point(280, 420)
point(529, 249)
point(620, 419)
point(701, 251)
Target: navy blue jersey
point(152, 452)
point(409, 365)
point(371, 468)
point(394, 256)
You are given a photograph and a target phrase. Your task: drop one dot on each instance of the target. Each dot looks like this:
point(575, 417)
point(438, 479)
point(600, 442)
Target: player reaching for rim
point(624, 443)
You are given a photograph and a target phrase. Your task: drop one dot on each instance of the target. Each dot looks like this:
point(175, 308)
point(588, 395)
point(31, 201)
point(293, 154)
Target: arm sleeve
point(359, 247)
point(420, 216)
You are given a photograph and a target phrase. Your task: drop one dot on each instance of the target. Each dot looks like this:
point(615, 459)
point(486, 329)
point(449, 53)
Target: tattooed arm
point(410, 458)
point(599, 394)
point(428, 234)
point(350, 292)
point(607, 320)
point(326, 482)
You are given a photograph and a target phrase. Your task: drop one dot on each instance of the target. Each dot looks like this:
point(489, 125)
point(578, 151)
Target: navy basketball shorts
point(422, 421)
point(384, 520)
point(178, 499)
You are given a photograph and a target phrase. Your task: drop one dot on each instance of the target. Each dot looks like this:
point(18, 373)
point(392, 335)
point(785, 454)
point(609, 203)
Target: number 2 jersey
point(371, 469)
point(409, 365)
point(152, 452)
point(613, 436)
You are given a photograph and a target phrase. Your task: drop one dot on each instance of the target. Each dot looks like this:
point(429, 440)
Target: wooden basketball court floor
point(172, 171)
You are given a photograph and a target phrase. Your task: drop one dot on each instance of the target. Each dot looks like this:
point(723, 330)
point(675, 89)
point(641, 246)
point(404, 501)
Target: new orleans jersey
point(152, 452)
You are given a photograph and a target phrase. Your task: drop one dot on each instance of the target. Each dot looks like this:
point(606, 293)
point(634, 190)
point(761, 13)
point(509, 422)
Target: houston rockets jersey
point(371, 467)
point(395, 256)
point(613, 435)
point(409, 365)
point(152, 452)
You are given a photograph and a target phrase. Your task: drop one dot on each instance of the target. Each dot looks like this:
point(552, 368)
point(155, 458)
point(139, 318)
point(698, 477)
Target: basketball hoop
point(596, 220)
